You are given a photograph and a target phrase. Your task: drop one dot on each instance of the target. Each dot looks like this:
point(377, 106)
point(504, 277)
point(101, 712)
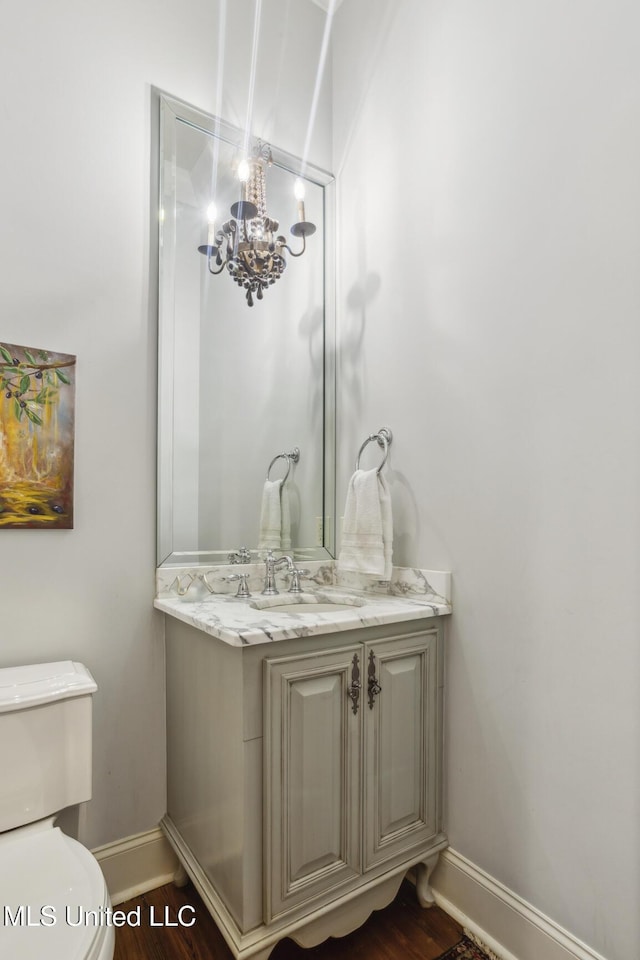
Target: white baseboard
point(137, 864)
point(509, 926)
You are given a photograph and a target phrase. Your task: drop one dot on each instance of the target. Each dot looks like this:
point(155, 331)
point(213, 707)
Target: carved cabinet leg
point(423, 874)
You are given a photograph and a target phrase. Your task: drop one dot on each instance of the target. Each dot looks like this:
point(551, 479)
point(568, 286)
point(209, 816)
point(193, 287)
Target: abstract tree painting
point(37, 394)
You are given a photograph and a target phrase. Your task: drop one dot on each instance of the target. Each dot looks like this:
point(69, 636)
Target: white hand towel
point(285, 518)
point(270, 537)
point(367, 534)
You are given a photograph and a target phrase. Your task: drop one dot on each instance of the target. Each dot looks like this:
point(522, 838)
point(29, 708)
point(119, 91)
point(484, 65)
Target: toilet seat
point(44, 868)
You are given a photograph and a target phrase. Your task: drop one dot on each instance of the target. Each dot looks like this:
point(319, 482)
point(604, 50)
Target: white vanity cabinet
point(297, 800)
point(351, 774)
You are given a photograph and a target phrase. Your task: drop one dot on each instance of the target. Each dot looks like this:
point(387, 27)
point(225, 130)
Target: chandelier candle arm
point(219, 259)
point(285, 246)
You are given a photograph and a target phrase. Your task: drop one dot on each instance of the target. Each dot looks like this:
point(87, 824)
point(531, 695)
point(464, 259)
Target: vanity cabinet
point(350, 764)
point(297, 801)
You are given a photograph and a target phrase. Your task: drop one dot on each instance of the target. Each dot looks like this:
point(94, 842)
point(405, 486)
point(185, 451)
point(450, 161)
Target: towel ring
point(383, 438)
point(292, 457)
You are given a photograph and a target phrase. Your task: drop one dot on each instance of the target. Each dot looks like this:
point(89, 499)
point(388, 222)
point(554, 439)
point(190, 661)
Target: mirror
point(240, 386)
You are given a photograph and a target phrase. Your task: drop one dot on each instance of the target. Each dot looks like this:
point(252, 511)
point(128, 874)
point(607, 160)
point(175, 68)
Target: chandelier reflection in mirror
point(248, 244)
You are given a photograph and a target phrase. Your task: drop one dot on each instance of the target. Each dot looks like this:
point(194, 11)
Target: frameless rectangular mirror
point(240, 385)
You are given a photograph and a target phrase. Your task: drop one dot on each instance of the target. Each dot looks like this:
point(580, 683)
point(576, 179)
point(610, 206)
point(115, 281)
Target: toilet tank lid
point(37, 683)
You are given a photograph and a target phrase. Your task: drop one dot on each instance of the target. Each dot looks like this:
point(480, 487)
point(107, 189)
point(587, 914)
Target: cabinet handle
point(373, 686)
point(353, 691)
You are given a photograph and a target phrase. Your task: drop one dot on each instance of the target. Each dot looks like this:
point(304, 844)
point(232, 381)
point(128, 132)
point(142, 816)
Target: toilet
point(54, 901)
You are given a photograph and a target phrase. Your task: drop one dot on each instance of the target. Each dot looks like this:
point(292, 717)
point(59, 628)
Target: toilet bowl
point(54, 902)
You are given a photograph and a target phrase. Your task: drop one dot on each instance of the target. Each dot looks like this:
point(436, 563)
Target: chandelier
point(248, 244)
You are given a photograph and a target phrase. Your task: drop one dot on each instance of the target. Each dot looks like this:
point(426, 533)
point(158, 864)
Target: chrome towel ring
point(383, 438)
point(291, 457)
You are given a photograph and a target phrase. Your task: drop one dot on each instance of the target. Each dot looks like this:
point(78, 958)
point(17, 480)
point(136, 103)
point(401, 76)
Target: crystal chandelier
point(248, 244)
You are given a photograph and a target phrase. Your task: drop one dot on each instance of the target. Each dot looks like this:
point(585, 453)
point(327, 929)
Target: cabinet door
point(401, 747)
point(312, 777)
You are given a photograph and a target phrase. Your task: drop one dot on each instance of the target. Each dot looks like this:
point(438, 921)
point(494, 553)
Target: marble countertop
point(240, 621)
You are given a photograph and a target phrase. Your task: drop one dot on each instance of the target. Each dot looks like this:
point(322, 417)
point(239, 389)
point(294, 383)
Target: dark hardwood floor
point(402, 931)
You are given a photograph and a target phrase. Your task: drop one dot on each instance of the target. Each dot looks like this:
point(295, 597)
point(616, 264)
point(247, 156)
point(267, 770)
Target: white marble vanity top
point(411, 595)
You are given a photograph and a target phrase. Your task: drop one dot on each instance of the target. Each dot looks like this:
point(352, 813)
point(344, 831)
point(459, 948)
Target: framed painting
point(37, 405)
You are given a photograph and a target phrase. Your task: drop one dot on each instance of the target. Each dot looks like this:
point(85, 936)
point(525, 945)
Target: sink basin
point(308, 609)
point(306, 604)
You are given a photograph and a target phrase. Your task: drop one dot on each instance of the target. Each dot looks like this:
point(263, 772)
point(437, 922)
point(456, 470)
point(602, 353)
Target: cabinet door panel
point(401, 744)
point(315, 775)
point(312, 762)
point(401, 762)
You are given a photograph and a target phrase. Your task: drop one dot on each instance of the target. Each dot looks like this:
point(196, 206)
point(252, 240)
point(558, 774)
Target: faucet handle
point(243, 587)
point(296, 575)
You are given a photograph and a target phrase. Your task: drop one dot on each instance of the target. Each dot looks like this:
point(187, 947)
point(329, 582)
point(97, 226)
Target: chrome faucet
point(272, 565)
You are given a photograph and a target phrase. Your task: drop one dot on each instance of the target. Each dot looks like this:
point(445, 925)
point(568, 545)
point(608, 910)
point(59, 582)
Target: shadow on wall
point(415, 527)
point(311, 332)
point(360, 297)
point(406, 518)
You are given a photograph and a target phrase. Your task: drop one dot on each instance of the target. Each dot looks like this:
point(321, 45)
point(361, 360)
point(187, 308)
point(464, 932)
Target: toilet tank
point(45, 740)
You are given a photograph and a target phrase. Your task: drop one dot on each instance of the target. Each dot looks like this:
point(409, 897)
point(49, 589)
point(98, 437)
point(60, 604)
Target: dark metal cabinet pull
point(353, 691)
point(373, 687)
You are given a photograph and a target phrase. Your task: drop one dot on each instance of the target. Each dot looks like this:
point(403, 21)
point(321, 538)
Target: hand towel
point(367, 534)
point(285, 518)
point(270, 537)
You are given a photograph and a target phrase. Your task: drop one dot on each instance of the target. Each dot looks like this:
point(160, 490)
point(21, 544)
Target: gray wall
point(74, 248)
point(499, 337)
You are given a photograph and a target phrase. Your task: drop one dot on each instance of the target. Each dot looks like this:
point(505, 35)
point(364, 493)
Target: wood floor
point(402, 931)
